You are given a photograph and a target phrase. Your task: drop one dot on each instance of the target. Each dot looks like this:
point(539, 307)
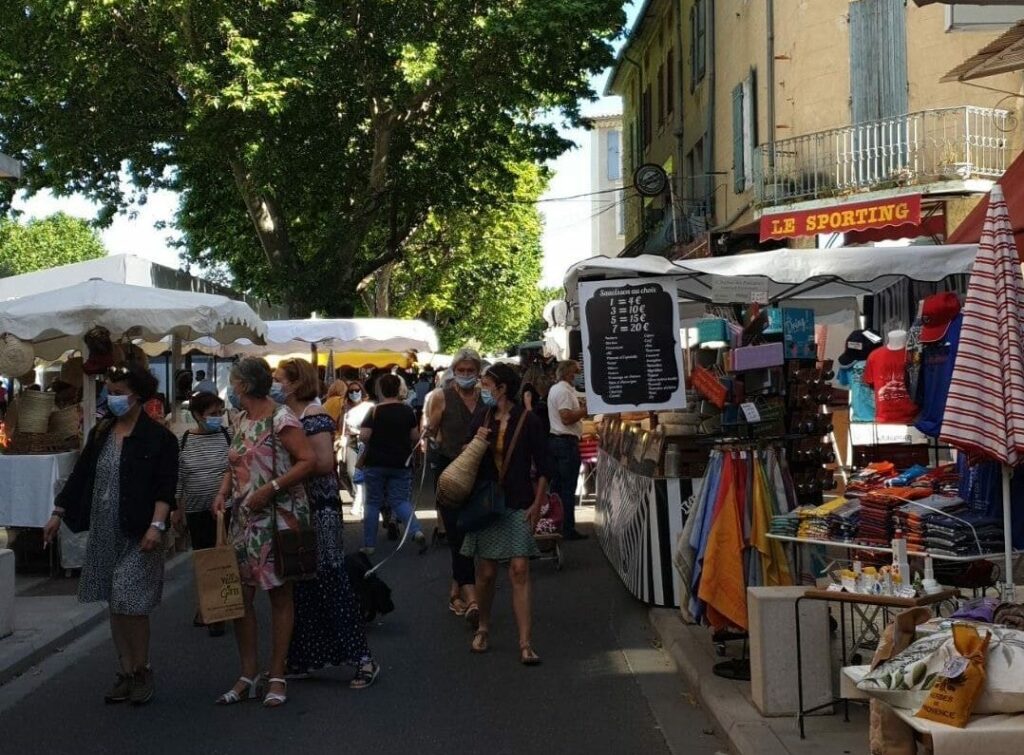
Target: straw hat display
point(34, 409)
point(455, 484)
point(16, 356)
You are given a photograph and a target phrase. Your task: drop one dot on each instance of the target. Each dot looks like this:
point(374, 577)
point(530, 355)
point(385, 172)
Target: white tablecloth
point(28, 485)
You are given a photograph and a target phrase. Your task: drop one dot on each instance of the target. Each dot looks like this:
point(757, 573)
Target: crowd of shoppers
point(280, 465)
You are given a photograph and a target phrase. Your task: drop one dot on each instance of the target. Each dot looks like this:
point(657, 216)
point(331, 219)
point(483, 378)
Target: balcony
point(949, 144)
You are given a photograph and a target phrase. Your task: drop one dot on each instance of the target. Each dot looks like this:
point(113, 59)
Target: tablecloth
point(28, 484)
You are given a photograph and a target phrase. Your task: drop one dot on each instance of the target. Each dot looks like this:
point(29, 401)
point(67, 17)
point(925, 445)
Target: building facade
point(790, 107)
point(608, 205)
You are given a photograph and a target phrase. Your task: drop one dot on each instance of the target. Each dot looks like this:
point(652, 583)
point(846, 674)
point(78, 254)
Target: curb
point(85, 618)
point(724, 700)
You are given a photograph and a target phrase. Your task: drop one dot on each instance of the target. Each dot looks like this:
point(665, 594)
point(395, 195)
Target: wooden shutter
point(670, 82)
point(738, 168)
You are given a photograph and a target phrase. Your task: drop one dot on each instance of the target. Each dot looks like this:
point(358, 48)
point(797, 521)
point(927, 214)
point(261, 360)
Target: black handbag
point(486, 503)
point(294, 550)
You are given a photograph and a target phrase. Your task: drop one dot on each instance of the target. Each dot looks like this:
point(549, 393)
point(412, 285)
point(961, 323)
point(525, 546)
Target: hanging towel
point(722, 584)
point(699, 540)
point(686, 554)
point(775, 565)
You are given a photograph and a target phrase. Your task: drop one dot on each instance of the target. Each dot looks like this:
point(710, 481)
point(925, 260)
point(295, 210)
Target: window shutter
point(738, 174)
point(693, 47)
point(661, 94)
point(614, 156)
point(670, 82)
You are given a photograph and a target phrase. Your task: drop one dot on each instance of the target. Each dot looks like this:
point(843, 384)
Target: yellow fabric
point(951, 701)
point(723, 581)
point(335, 407)
point(775, 565)
point(350, 359)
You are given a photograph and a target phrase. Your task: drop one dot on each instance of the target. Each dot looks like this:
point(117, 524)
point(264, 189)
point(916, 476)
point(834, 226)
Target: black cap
point(859, 344)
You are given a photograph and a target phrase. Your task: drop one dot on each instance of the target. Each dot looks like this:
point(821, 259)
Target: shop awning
point(786, 274)
point(884, 218)
point(1002, 55)
point(1012, 184)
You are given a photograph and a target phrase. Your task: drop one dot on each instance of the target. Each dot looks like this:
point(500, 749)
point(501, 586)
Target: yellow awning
point(355, 359)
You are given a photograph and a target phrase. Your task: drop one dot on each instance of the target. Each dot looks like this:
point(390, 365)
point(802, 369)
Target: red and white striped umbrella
point(985, 412)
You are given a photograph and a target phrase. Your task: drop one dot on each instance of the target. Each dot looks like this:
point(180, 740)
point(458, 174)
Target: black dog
point(374, 596)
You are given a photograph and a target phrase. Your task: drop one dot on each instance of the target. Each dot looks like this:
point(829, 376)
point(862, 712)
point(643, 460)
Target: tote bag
point(218, 585)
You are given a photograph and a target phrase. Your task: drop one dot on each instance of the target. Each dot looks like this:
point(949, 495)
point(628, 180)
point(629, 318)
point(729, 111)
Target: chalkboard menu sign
point(631, 345)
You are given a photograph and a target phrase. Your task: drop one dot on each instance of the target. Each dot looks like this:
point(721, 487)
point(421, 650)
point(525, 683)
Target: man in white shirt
point(566, 412)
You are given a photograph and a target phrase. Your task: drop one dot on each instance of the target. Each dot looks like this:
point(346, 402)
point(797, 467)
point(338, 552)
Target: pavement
point(606, 685)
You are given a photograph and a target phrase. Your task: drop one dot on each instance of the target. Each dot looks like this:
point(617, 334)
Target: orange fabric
point(723, 582)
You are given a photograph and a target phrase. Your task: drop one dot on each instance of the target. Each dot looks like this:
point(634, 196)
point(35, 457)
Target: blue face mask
point(213, 424)
point(355, 396)
point(277, 392)
point(119, 405)
point(236, 403)
point(488, 398)
point(466, 382)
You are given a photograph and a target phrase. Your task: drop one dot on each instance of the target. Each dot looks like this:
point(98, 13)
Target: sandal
point(276, 699)
point(250, 691)
point(457, 606)
point(473, 615)
point(366, 675)
point(526, 655)
point(481, 641)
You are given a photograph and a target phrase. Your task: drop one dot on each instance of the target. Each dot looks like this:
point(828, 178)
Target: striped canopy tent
point(985, 411)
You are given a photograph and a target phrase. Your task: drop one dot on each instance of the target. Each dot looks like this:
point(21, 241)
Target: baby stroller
point(548, 534)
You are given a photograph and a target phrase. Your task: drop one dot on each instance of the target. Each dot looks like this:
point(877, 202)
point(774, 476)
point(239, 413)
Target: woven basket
point(16, 356)
point(64, 423)
point(41, 443)
point(455, 484)
point(34, 411)
point(71, 372)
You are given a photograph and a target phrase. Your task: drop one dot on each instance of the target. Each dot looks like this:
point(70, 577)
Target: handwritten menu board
point(631, 345)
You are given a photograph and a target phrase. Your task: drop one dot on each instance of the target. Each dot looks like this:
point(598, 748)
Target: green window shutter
point(738, 168)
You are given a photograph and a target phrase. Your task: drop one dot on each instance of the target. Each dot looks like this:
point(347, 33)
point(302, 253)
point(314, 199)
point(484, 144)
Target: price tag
point(750, 412)
point(834, 588)
point(955, 667)
point(874, 338)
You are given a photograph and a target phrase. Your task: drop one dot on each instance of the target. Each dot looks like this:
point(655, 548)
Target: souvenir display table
point(28, 484)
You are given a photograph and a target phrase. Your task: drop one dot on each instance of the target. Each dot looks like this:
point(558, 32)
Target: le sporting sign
point(856, 216)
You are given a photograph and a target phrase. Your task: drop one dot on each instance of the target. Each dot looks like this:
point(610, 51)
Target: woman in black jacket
point(121, 490)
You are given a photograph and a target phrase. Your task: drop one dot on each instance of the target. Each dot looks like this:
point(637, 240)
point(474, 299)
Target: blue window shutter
point(738, 169)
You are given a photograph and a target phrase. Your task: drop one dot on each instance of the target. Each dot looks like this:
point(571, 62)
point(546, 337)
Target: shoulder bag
point(294, 550)
point(486, 503)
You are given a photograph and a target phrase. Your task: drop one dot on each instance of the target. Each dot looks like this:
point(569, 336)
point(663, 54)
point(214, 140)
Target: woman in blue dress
point(328, 623)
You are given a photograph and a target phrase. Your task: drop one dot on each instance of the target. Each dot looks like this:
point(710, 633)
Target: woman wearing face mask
point(356, 409)
point(121, 490)
point(517, 442)
point(202, 462)
point(269, 460)
point(328, 622)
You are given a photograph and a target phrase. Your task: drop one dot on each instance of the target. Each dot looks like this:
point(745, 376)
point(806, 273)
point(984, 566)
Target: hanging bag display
point(486, 504)
point(218, 585)
point(294, 549)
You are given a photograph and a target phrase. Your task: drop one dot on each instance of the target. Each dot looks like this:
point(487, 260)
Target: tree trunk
point(382, 291)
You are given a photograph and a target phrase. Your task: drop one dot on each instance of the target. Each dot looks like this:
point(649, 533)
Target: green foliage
point(56, 240)
point(310, 142)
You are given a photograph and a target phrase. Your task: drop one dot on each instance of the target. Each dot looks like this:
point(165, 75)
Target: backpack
point(223, 431)
point(374, 595)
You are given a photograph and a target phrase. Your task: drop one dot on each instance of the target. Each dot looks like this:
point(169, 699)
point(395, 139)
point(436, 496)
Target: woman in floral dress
point(328, 623)
point(269, 459)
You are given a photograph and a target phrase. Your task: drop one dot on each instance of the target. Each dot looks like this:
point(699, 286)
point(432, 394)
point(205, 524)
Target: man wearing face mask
point(449, 414)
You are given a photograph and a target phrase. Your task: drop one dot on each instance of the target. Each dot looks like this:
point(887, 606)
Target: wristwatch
point(159, 526)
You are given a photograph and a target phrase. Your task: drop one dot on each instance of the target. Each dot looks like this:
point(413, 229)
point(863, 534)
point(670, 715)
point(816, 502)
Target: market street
point(594, 693)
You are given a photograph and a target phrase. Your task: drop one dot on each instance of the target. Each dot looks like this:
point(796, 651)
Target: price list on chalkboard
point(631, 343)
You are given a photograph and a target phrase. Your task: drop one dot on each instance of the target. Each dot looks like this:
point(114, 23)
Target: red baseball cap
point(938, 312)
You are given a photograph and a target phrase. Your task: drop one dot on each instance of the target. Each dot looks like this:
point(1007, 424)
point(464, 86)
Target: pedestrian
point(356, 409)
point(269, 460)
point(334, 403)
point(121, 490)
point(203, 385)
point(328, 622)
point(565, 413)
point(202, 462)
point(516, 441)
point(447, 418)
point(390, 433)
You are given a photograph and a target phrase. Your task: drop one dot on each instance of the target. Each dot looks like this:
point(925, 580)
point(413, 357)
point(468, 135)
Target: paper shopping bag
point(218, 585)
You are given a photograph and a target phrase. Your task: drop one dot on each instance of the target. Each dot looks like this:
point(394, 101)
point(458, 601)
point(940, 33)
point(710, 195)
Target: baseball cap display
point(859, 344)
point(938, 312)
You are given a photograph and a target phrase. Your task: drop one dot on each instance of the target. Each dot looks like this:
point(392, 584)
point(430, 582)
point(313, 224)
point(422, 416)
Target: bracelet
point(275, 486)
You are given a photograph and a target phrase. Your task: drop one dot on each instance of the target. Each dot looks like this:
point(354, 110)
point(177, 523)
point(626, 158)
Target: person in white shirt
point(566, 412)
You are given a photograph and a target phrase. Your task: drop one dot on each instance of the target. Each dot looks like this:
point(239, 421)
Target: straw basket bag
point(16, 356)
point(34, 408)
point(71, 372)
point(455, 484)
point(64, 422)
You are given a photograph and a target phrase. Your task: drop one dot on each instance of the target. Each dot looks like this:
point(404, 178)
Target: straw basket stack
point(455, 484)
point(64, 423)
point(34, 408)
point(71, 372)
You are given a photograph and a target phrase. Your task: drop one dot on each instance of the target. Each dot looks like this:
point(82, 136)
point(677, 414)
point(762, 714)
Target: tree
point(473, 274)
point(309, 141)
point(56, 240)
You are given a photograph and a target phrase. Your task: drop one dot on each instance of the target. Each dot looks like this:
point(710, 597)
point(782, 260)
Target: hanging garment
point(685, 559)
point(775, 565)
point(722, 585)
point(699, 541)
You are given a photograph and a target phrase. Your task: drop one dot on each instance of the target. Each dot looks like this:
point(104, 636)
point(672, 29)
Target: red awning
point(1012, 183)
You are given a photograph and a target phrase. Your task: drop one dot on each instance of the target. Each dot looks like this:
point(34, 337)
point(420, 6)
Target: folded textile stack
point(910, 517)
point(906, 477)
point(871, 477)
point(785, 524)
point(814, 520)
point(876, 514)
point(966, 533)
point(944, 480)
point(843, 523)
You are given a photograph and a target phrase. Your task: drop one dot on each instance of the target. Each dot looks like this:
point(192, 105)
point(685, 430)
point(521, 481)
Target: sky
point(566, 223)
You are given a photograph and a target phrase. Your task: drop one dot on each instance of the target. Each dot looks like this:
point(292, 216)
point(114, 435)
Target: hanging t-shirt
point(886, 373)
point(862, 398)
point(936, 372)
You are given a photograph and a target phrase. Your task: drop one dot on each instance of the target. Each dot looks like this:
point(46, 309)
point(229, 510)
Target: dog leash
point(405, 531)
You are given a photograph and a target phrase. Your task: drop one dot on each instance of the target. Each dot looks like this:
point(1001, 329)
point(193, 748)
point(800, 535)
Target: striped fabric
point(985, 412)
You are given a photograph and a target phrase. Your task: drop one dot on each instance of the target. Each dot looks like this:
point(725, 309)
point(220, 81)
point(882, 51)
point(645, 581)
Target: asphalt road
point(604, 686)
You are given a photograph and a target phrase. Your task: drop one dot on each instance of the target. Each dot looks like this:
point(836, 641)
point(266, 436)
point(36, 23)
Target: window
point(614, 155)
point(661, 94)
point(620, 213)
point(646, 117)
point(744, 133)
point(670, 82)
point(698, 43)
